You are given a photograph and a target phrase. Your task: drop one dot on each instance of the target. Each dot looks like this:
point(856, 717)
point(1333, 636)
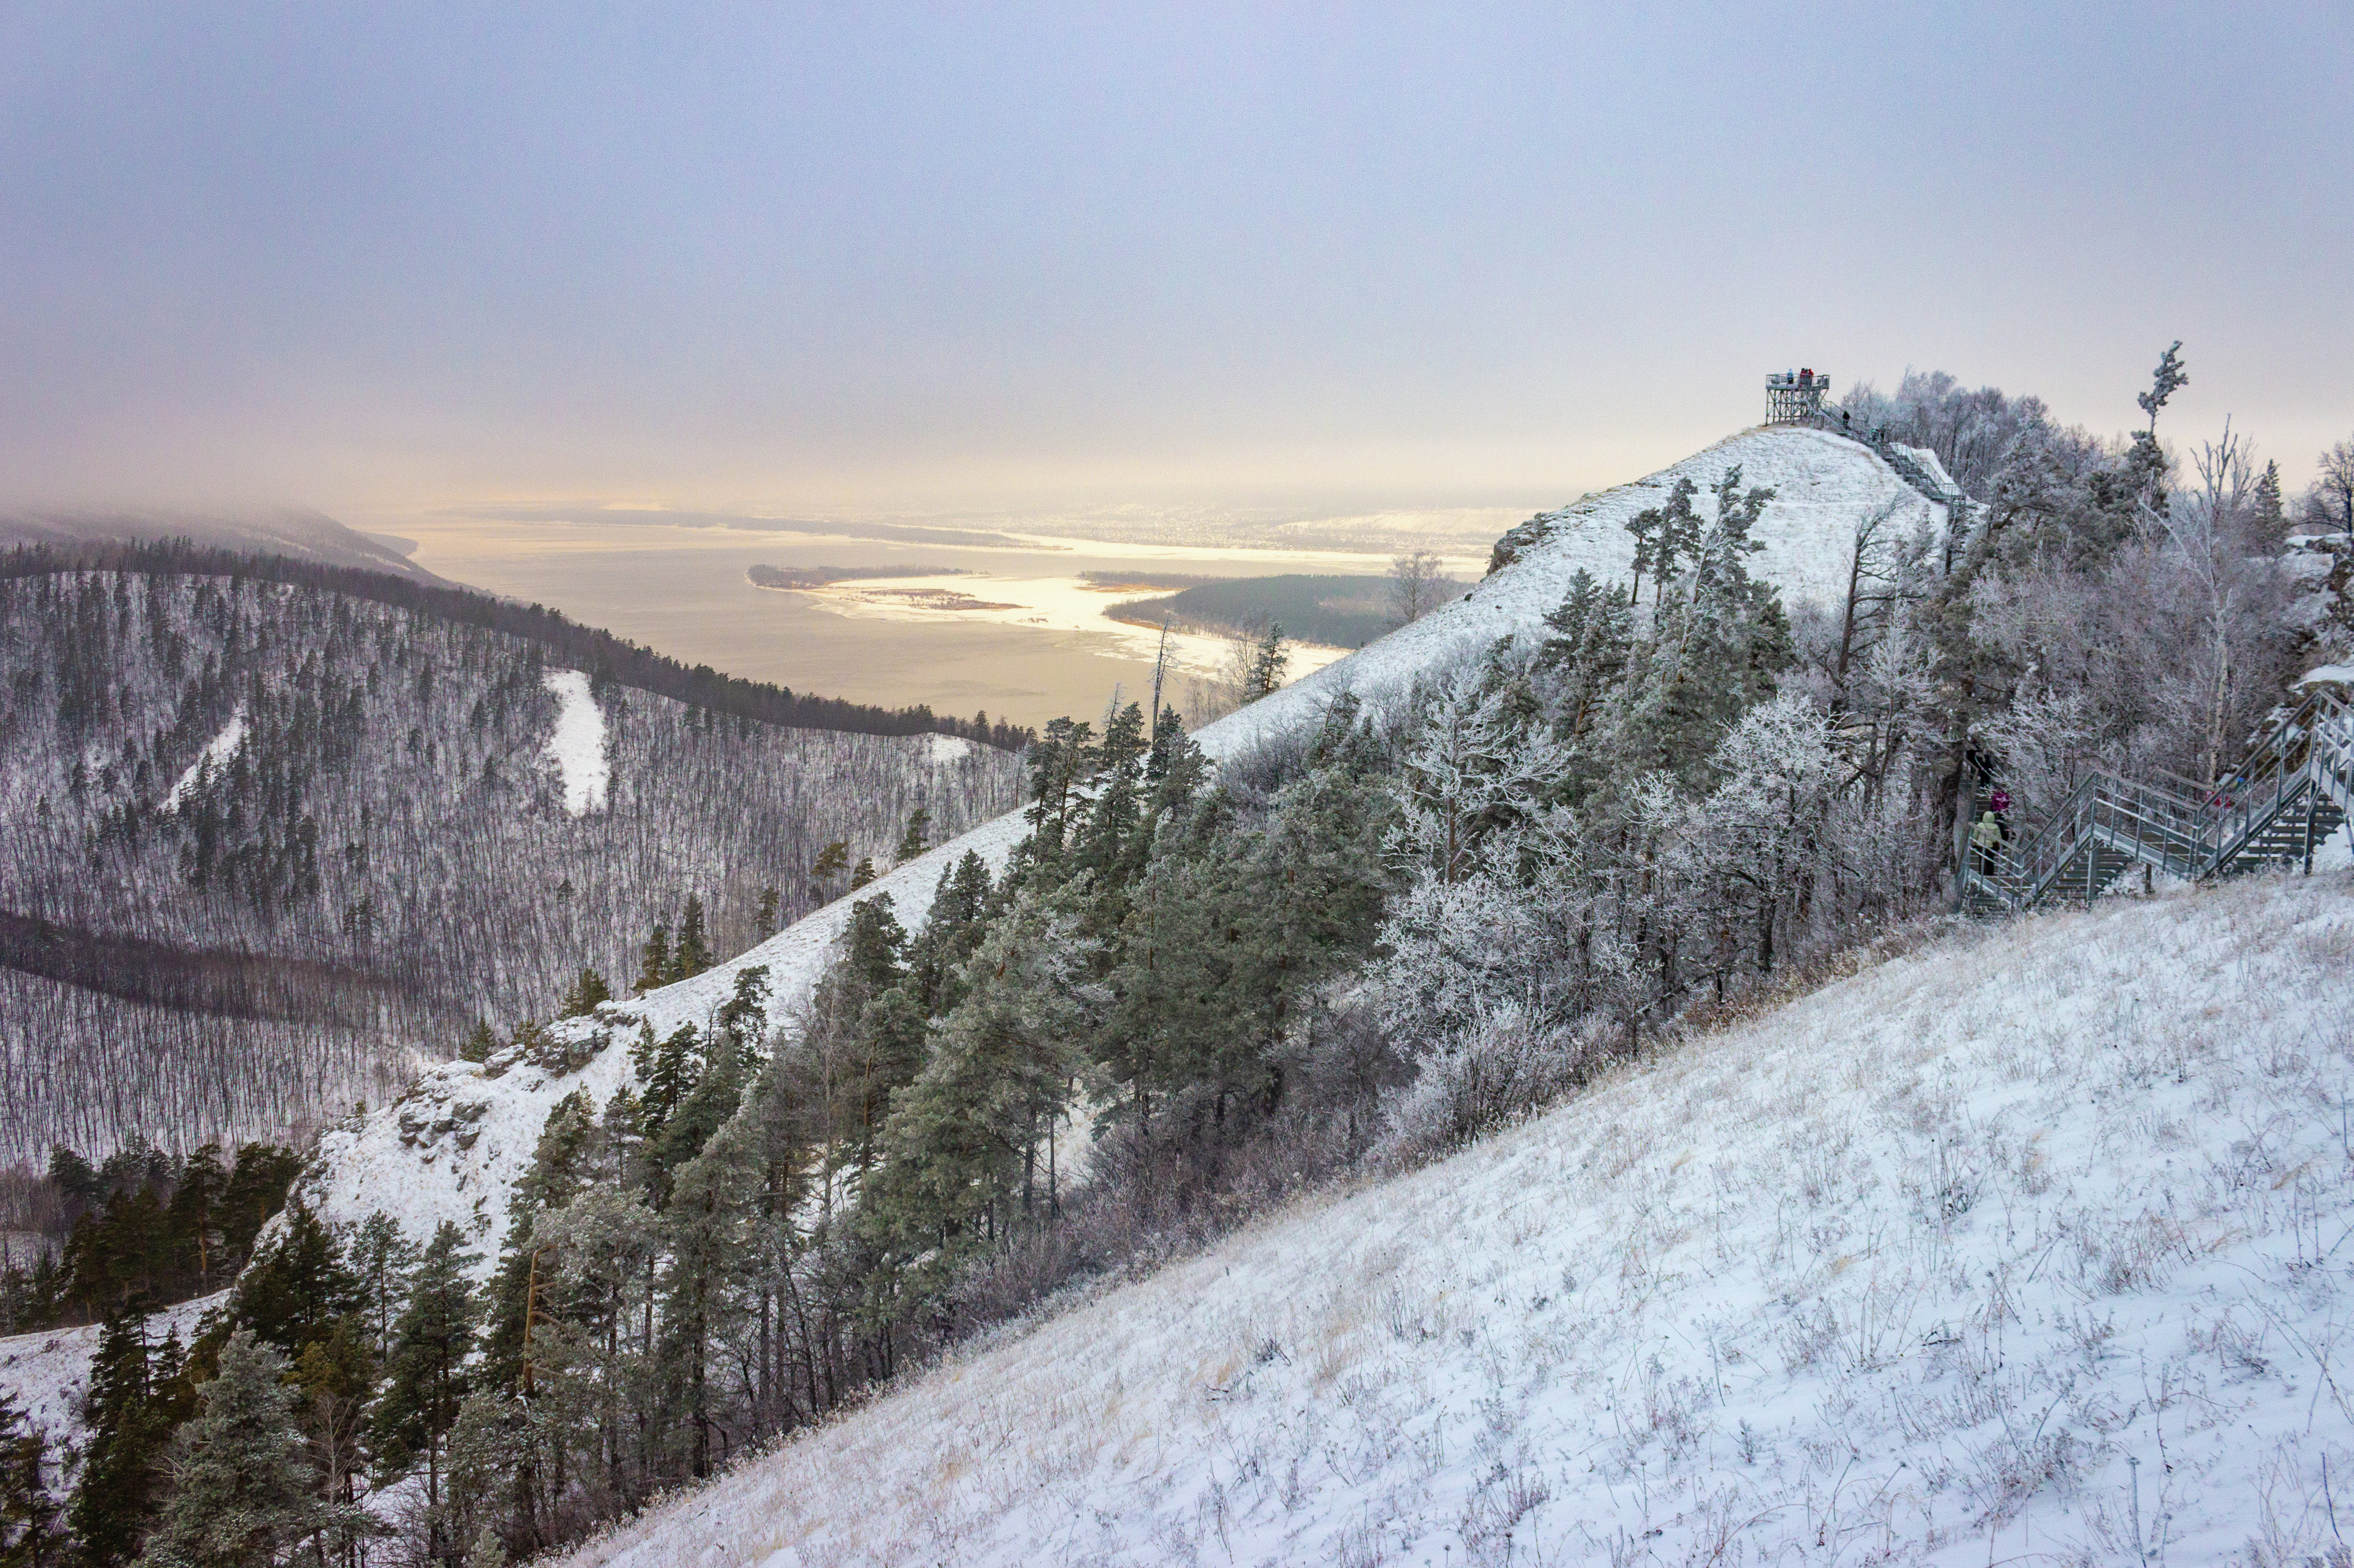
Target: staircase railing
point(2313, 749)
point(2172, 824)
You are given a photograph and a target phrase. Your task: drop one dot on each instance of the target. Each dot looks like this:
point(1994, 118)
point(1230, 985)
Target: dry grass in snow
point(2028, 1246)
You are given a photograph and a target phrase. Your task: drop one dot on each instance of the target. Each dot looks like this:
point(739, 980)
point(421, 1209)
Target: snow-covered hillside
point(2025, 1246)
point(455, 1143)
point(47, 1373)
point(382, 823)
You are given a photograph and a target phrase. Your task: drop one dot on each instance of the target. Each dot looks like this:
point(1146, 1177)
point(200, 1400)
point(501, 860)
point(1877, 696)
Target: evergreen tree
point(654, 964)
point(743, 1018)
point(914, 841)
point(764, 919)
point(961, 1149)
point(1113, 817)
point(1060, 765)
point(875, 944)
point(257, 1189)
point(28, 1535)
point(863, 875)
point(193, 1220)
point(293, 1294)
point(75, 1182)
point(710, 1098)
point(241, 1491)
point(2271, 516)
point(950, 930)
point(1268, 662)
point(587, 993)
point(480, 1042)
point(382, 1259)
point(706, 1227)
point(336, 1379)
point(670, 1077)
point(425, 1375)
point(831, 861)
point(2146, 464)
point(129, 1421)
point(692, 955)
point(1581, 664)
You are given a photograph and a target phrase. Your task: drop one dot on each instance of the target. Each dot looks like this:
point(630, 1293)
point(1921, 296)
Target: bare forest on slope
point(262, 844)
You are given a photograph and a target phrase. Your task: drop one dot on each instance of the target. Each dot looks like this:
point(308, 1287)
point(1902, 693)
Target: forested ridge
point(1195, 989)
point(263, 845)
point(606, 657)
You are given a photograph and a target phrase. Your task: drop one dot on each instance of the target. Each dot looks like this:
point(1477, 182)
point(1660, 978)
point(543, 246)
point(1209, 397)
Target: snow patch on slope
point(577, 748)
point(2020, 1246)
point(216, 756)
point(1825, 485)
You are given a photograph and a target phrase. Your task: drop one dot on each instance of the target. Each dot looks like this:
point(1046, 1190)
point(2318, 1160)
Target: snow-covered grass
point(2029, 1244)
point(576, 748)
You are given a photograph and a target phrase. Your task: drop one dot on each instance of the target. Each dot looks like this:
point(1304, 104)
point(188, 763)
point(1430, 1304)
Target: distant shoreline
point(792, 579)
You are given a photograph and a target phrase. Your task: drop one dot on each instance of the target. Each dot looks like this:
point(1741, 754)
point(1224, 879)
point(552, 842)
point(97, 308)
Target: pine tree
point(425, 1376)
point(705, 1227)
point(2271, 516)
point(914, 842)
point(291, 1294)
point(193, 1220)
point(587, 991)
point(28, 1535)
point(949, 931)
point(241, 1492)
point(654, 966)
point(335, 1379)
point(382, 1259)
point(831, 861)
point(1060, 765)
point(1583, 660)
point(960, 1148)
point(2145, 461)
point(257, 1185)
point(1113, 816)
point(693, 953)
point(863, 875)
point(743, 1018)
point(764, 919)
point(1645, 525)
point(479, 1044)
point(669, 1076)
point(116, 1499)
point(1269, 661)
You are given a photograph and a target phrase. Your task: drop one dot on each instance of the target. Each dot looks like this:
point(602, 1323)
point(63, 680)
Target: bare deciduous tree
point(1419, 585)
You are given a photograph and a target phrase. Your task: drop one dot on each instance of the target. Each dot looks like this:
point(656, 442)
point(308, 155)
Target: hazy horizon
point(923, 261)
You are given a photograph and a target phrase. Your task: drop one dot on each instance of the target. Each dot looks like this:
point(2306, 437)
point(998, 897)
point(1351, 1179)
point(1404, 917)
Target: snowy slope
point(2025, 1246)
point(450, 1150)
point(576, 747)
point(47, 1373)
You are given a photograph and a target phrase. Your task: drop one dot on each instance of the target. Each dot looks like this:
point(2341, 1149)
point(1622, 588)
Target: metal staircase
point(2292, 792)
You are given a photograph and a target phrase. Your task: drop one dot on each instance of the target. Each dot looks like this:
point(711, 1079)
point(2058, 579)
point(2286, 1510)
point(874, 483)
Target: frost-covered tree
point(242, 1491)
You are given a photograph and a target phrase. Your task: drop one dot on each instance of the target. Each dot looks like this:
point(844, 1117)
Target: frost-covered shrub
point(1480, 1076)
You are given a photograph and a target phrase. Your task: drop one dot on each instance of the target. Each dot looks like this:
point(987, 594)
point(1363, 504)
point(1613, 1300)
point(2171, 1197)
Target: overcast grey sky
point(862, 257)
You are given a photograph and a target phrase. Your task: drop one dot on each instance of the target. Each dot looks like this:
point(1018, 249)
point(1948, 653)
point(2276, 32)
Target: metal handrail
point(2183, 828)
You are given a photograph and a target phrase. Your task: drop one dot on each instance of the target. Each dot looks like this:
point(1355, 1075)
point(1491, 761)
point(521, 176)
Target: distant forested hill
point(1338, 611)
point(262, 843)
